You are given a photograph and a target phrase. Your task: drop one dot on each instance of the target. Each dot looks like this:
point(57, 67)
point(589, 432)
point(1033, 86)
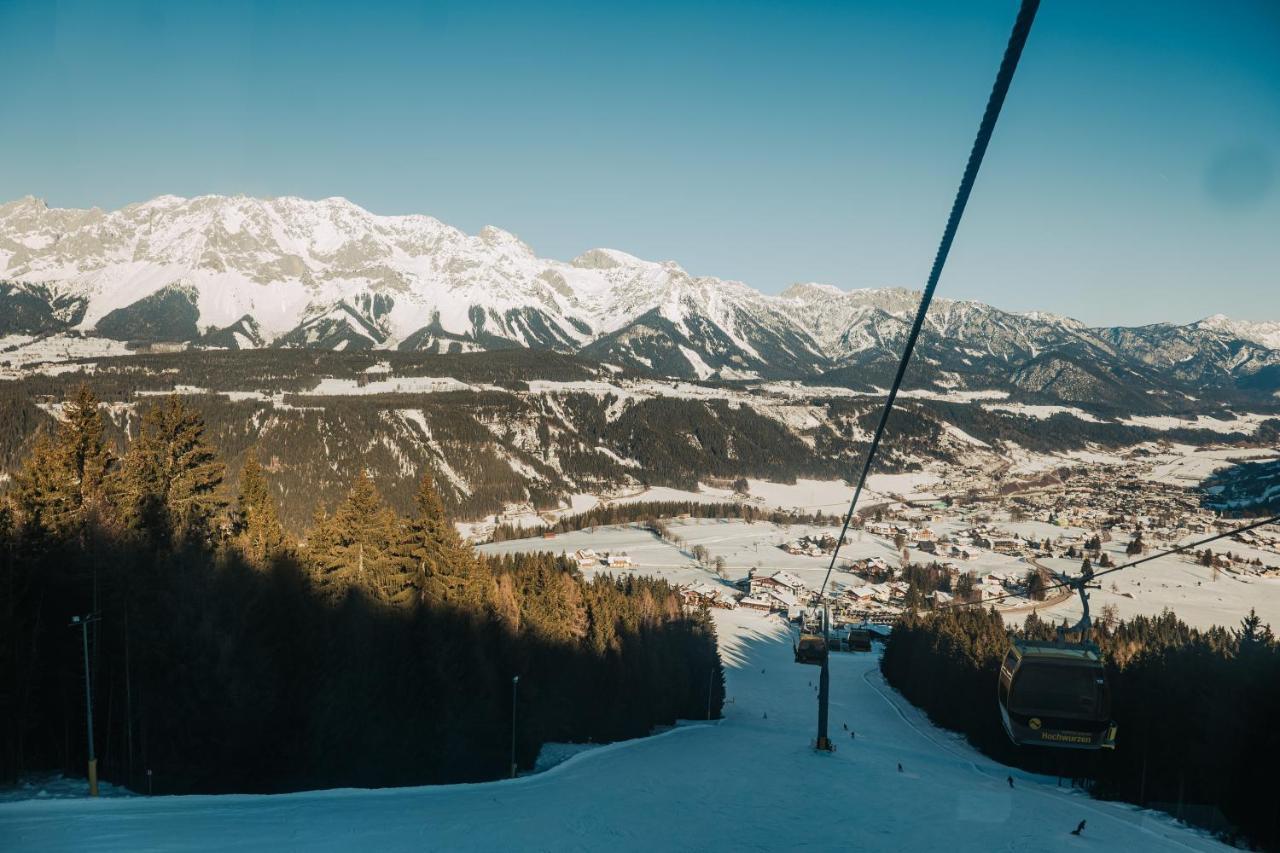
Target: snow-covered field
point(750, 782)
point(1174, 464)
point(808, 496)
point(805, 496)
point(742, 545)
point(1179, 584)
point(1173, 583)
point(1245, 423)
point(1040, 412)
point(1184, 465)
point(24, 354)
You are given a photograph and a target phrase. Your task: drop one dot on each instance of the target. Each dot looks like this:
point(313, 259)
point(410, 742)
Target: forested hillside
point(229, 656)
point(1252, 486)
point(518, 427)
point(1195, 709)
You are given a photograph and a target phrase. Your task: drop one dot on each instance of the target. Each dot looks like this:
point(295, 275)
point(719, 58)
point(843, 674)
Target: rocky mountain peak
point(329, 273)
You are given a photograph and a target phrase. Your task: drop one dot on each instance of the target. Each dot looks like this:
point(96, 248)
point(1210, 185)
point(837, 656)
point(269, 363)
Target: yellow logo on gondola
point(1067, 737)
point(1034, 723)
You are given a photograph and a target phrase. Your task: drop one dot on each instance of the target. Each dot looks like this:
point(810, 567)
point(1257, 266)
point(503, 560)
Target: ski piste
point(746, 782)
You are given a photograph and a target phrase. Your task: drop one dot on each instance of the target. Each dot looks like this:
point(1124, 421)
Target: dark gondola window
point(1063, 689)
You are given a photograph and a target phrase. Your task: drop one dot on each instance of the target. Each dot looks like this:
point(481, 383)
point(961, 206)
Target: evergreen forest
point(375, 649)
point(1195, 710)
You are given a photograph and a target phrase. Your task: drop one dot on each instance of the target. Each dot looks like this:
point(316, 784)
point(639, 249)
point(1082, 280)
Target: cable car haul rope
point(1048, 693)
point(1009, 64)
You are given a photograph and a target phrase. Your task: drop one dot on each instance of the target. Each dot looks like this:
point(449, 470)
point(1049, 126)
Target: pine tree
point(86, 457)
point(169, 481)
point(1253, 634)
point(433, 557)
point(37, 496)
point(256, 523)
point(355, 545)
point(61, 485)
point(1035, 585)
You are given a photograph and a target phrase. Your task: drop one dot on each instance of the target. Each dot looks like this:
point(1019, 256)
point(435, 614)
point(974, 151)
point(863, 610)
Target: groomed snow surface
point(750, 782)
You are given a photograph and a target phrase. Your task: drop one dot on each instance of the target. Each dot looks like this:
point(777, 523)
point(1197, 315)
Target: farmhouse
point(708, 595)
point(777, 582)
point(861, 594)
point(780, 599)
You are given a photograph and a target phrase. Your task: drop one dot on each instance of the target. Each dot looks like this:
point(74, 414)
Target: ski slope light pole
point(515, 680)
point(82, 622)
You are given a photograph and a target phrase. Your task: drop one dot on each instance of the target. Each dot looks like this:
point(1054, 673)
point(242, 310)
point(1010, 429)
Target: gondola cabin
point(1055, 694)
point(811, 649)
point(859, 640)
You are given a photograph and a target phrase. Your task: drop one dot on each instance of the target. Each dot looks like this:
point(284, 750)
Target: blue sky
point(1135, 175)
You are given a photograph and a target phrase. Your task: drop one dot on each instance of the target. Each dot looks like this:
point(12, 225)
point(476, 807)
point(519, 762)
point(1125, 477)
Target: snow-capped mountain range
point(243, 272)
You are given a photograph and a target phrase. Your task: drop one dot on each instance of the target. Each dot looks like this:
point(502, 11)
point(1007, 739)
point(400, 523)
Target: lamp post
point(515, 681)
point(710, 677)
point(82, 622)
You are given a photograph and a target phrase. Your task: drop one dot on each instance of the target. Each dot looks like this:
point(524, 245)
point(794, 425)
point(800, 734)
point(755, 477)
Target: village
point(985, 544)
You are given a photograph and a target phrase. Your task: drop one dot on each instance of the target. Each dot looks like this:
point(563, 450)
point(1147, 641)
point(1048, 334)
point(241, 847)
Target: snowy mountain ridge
point(237, 272)
point(312, 253)
point(1263, 332)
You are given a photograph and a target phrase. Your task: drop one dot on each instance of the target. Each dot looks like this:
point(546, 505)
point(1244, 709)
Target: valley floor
point(750, 782)
point(1175, 582)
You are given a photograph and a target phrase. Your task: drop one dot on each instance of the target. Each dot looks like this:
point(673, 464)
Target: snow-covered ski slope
point(750, 782)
